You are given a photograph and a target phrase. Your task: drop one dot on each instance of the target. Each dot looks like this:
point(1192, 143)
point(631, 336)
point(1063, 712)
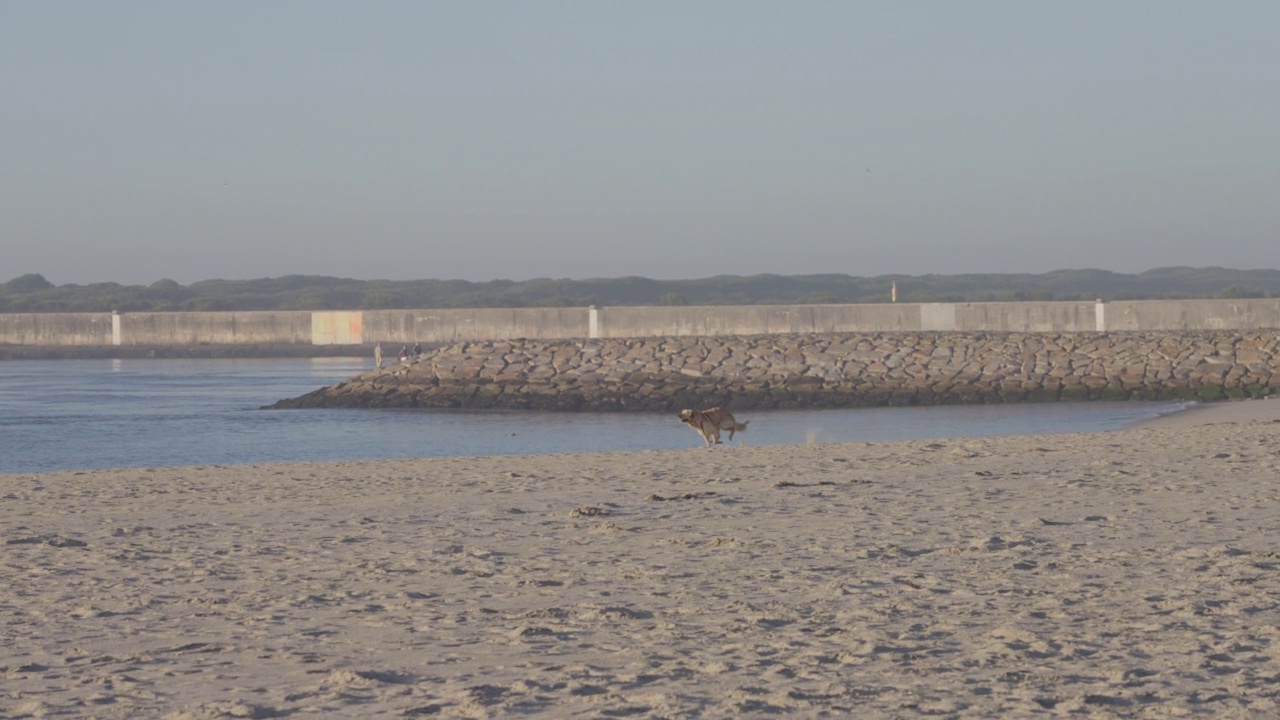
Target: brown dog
point(709, 423)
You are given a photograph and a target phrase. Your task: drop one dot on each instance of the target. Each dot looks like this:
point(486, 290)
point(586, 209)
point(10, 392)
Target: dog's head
point(686, 415)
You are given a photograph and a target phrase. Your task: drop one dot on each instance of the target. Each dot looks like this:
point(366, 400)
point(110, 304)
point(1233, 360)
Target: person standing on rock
point(417, 349)
point(377, 356)
point(404, 354)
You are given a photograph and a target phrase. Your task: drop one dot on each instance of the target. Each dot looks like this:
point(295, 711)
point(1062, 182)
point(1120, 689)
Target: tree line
point(34, 293)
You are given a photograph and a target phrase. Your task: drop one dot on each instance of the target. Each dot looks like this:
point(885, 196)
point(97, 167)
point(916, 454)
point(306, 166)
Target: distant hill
point(33, 293)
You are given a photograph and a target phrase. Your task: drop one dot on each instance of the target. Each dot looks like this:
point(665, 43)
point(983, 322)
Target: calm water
point(82, 414)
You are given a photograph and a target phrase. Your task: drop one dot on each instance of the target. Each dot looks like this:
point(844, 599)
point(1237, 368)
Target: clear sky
point(483, 140)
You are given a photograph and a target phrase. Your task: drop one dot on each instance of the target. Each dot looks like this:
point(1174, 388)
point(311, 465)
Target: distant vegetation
point(33, 293)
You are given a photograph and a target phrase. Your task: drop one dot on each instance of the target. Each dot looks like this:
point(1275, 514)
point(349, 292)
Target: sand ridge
point(1131, 573)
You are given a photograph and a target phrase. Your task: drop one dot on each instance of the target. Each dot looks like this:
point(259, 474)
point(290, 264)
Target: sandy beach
point(1123, 574)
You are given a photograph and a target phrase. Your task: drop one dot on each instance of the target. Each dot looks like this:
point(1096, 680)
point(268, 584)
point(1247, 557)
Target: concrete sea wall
point(158, 329)
point(56, 329)
point(444, 326)
point(820, 370)
point(238, 328)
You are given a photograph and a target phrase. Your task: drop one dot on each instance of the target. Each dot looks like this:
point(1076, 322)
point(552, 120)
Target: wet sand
point(1132, 573)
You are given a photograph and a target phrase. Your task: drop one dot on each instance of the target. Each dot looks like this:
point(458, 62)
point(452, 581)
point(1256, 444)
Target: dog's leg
point(737, 426)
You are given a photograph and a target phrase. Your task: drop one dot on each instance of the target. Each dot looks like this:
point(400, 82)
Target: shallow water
point(83, 414)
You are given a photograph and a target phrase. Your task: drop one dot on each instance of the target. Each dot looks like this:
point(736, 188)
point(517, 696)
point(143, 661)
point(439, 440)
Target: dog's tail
point(740, 426)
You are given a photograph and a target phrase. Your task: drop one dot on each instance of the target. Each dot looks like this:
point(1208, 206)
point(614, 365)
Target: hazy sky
point(484, 140)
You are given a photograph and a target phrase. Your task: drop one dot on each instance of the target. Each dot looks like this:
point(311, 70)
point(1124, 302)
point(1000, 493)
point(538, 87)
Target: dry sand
point(1124, 574)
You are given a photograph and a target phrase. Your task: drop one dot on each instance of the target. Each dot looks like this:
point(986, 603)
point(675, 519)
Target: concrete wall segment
point(449, 325)
point(216, 328)
point(1025, 317)
point(1185, 315)
point(56, 328)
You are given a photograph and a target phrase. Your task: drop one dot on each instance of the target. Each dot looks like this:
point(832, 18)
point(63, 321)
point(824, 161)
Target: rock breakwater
point(816, 371)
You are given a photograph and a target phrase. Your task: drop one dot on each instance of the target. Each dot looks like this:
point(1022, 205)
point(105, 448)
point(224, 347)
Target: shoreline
point(1225, 411)
point(1126, 572)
